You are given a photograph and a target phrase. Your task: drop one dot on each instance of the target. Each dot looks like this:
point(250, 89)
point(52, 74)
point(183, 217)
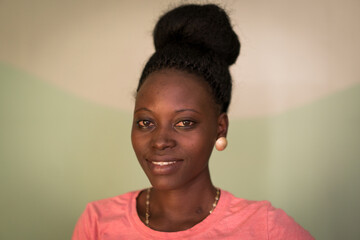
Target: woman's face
point(175, 126)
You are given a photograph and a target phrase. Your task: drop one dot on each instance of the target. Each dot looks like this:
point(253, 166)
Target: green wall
point(58, 152)
point(306, 161)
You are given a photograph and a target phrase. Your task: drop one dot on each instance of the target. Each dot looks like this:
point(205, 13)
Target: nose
point(163, 139)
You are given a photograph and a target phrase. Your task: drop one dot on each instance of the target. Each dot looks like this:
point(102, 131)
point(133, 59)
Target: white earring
point(221, 144)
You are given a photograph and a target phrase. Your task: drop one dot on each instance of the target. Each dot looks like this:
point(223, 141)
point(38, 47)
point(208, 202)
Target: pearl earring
point(221, 144)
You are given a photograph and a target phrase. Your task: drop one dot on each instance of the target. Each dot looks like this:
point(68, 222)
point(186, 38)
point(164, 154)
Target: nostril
point(163, 144)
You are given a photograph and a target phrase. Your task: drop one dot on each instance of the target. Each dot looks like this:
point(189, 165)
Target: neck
point(181, 208)
point(183, 201)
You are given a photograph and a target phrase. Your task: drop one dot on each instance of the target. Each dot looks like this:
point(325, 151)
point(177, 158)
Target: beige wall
point(293, 51)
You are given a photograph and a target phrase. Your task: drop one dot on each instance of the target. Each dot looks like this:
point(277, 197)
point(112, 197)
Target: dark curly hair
point(197, 39)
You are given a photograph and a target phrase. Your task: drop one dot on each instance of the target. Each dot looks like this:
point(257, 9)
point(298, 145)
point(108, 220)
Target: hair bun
point(206, 27)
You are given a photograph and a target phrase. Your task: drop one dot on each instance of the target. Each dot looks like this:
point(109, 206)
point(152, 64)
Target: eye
point(145, 124)
point(185, 124)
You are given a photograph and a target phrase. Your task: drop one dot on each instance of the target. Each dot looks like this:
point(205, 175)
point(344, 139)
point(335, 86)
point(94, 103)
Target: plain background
point(68, 71)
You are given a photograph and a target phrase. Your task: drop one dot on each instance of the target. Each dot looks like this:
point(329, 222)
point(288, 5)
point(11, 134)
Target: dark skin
point(176, 124)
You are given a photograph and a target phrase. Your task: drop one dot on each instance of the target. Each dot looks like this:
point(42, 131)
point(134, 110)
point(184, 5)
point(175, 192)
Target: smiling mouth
point(163, 163)
point(164, 166)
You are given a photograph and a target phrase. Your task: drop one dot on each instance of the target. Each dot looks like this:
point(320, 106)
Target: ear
point(223, 125)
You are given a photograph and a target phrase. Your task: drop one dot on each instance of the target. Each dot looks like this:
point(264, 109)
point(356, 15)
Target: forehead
point(177, 88)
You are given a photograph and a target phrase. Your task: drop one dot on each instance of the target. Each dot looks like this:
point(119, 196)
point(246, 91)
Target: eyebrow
point(177, 111)
point(142, 109)
point(187, 109)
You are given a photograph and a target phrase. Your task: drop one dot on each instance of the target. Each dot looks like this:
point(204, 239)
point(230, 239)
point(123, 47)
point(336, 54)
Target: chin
point(163, 183)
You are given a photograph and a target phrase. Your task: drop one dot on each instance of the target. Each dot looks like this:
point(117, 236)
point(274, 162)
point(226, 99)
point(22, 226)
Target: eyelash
point(147, 124)
point(188, 124)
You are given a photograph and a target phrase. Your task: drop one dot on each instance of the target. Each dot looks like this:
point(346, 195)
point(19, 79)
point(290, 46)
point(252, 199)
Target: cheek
point(199, 145)
point(137, 142)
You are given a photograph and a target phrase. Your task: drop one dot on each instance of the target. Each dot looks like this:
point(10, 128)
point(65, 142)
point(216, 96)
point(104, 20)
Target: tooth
point(163, 163)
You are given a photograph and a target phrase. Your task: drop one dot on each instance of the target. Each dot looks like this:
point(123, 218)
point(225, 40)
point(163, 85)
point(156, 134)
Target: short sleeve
point(281, 226)
point(86, 227)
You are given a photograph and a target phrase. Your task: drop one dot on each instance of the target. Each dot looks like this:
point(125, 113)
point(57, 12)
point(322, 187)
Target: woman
point(180, 114)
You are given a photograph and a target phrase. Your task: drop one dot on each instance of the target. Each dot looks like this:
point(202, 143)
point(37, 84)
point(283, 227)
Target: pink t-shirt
point(233, 218)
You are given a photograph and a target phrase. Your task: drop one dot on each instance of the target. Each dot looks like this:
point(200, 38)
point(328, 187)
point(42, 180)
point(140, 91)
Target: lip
point(164, 166)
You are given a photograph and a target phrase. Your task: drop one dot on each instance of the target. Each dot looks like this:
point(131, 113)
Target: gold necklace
point(147, 211)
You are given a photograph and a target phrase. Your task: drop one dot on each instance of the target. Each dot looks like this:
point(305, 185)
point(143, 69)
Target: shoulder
point(102, 214)
point(112, 205)
point(283, 226)
point(242, 205)
point(261, 216)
